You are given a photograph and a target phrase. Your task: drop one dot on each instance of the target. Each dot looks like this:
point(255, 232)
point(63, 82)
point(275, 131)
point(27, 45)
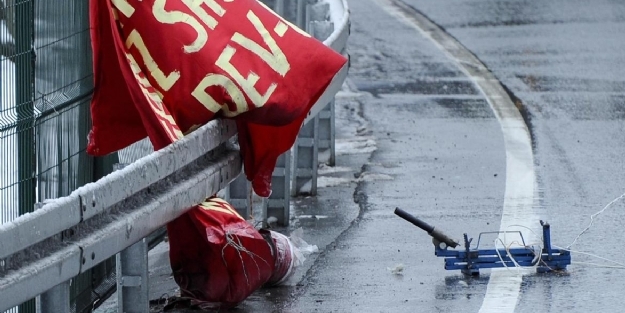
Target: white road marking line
point(504, 286)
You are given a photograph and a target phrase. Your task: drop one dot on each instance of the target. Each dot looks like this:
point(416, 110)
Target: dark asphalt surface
point(564, 61)
point(415, 132)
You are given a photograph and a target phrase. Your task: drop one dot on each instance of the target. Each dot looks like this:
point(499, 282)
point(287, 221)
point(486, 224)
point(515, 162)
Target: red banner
point(164, 67)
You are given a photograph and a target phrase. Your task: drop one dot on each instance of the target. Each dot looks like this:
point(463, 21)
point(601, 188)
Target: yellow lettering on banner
point(173, 17)
point(212, 206)
point(136, 70)
point(275, 58)
point(164, 81)
point(124, 7)
point(279, 29)
point(210, 21)
point(209, 102)
point(166, 120)
point(247, 84)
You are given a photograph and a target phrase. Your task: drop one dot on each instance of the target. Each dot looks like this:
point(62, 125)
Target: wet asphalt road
point(415, 132)
point(438, 139)
point(564, 62)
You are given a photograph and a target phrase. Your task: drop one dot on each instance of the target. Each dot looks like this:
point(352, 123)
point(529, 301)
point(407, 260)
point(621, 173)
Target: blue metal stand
point(471, 260)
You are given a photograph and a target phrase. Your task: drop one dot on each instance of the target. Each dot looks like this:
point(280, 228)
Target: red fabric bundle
point(164, 67)
point(219, 259)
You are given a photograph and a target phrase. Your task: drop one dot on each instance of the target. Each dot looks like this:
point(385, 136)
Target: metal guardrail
point(41, 251)
point(103, 218)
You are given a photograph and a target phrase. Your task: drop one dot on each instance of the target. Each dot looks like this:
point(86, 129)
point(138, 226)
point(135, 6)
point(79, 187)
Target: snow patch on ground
point(324, 156)
point(355, 145)
point(325, 169)
point(369, 177)
point(348, 95)
point(313, 216)
point(328, 181)
point(332, 181)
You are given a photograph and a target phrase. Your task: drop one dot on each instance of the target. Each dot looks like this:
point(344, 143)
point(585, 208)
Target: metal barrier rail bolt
point(42, 250)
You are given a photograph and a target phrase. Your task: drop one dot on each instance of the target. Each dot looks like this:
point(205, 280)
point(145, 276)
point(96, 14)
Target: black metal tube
point(414, 220)
point(435, 233)
point(441, 237)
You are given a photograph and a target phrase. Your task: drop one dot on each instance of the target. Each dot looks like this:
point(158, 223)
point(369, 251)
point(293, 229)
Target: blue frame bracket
point(470, 260)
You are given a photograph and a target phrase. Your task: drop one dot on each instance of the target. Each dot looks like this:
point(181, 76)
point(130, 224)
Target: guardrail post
point(327, 134)
point(238, 195)
point(305, 159)
point(279, 7)
point(55, 300)
point(322, 29)
point(300, 14)
point(306, 152)
point(132, 279)
point(278, 204)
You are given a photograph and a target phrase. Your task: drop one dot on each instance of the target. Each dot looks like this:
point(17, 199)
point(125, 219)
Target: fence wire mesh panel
point(46, 83)
point(17, 188)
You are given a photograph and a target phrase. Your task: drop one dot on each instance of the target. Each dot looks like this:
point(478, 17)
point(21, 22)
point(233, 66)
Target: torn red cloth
point(164, 67)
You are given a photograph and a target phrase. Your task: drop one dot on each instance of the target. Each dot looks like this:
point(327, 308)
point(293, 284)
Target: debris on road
point(471, 260)
point(397, 270)
point(302, 246)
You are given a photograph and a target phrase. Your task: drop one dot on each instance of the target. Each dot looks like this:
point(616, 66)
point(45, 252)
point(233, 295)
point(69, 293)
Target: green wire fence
point(46, 82)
